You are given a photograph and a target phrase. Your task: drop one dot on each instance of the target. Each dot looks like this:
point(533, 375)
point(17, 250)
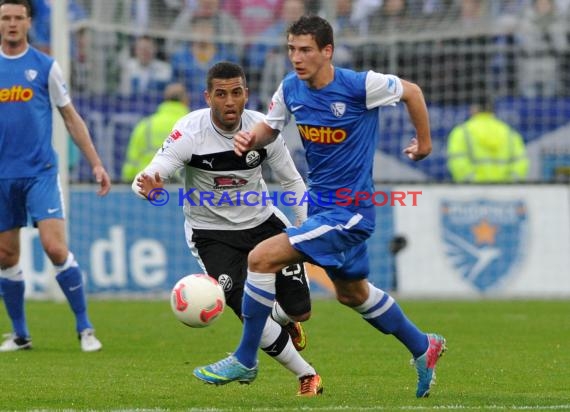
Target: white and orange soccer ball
point(197, 300)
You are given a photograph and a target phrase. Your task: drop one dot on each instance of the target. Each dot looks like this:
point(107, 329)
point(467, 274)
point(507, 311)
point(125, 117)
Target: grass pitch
point(503, 355)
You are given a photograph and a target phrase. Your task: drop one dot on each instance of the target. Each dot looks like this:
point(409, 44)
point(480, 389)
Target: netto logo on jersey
point(16, 93)
point(321, 134)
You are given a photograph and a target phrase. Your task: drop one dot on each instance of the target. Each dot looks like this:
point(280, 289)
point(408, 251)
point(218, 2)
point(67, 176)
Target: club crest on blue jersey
point(30, 74)
point(484, 239)
point(338, 109)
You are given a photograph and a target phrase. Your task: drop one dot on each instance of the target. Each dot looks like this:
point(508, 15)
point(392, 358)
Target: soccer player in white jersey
point(31, 83)
point(336, 111)
point(221, 226)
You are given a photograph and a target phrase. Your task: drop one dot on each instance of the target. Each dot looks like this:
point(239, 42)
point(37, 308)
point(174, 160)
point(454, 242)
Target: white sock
point(279, 315)
point(288, 357)
point(13, 273)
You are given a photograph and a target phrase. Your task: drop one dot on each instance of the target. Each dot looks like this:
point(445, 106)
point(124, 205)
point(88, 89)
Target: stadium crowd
point(513, 48)
point(517, 46)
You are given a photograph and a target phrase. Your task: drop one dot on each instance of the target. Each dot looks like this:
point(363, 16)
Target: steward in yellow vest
point(149, 134)
point(484, 149)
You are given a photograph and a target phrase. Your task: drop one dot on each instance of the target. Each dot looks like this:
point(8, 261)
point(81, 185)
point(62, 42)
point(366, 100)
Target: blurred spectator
point(542, 38)
point(80, 61)
point(345, 31)
point(190, 64)
point(384, 24)
point(271, 40)
point(40, 33)
point(505, 16)
point(150, 132)
point(391, 17)
point(485, 149)
point(144, 72)
point(432, 14)
point(508, 11)
point(432, 7)
point(312, 6)
point(473, 14)
point(361, 10)
point(225, 24)
point(275, 67)
point(464, 52)
point(254, 15)
point(149, 14)
point(563, 6)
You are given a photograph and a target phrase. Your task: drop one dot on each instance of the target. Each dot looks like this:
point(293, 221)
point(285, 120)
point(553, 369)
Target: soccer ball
point(197, 300)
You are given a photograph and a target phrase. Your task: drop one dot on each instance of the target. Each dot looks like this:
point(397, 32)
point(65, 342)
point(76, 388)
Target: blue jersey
point(26, 113)
point(338, 125)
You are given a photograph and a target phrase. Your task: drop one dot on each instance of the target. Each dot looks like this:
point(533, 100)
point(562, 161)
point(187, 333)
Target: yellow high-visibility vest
point(148, 136)
point(485, 149)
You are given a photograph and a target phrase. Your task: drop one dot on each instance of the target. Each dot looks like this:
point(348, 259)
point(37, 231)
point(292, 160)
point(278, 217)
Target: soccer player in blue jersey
point(336, 112)
point(31, 83)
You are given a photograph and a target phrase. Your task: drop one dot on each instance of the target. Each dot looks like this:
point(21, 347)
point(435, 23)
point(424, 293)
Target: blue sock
point(382, 312)
point(14, 301)
point(71, 283)
point(258, 297)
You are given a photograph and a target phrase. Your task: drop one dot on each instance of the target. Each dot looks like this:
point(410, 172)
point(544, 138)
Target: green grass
point(502, 356)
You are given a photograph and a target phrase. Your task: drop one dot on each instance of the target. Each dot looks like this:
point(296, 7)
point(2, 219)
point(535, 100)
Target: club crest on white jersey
point(252, 159)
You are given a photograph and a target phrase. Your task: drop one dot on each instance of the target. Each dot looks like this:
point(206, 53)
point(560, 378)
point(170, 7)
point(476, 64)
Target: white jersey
point(224, 191)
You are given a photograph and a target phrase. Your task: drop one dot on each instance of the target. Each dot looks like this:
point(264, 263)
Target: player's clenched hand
point(415, 152)
point(103, 179)
point(243, 141)
point(146, 183)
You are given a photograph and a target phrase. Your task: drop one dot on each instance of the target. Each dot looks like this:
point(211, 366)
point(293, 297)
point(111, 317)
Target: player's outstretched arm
point(413, 97)
point(81, 137)
point(260, 136)
point(145, 183)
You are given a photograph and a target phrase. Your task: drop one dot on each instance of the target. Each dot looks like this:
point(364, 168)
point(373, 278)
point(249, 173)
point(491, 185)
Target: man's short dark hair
point(224, 70)
point(175, 92)
point(483, 100)
point(316, 26)
point(24, 3)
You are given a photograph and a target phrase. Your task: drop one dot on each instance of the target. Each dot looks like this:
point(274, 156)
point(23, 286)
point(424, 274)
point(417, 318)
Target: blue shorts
point(336, 241)
point(36, 198)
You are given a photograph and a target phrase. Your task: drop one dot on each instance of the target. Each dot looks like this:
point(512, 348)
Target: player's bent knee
point(56, 253)
point(350, 300)
point(8, 258)
point(301, 318)
point(7, 262)
point(258, 261)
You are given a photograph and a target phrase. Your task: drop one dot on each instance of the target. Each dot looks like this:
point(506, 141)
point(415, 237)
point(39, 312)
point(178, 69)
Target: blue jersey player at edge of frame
point(31, 84)
point(336, 111)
